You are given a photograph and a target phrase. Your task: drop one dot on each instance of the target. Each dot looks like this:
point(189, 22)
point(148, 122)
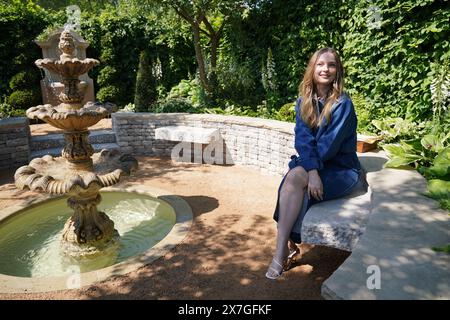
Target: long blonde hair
point(308, 90)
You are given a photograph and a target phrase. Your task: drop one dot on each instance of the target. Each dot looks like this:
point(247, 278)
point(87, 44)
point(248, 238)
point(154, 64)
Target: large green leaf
point(411, 145)
point(441, 166)
point(394, 150)
point(432, 142)
point(439, 188)
point(443, 158)
point(401, 161)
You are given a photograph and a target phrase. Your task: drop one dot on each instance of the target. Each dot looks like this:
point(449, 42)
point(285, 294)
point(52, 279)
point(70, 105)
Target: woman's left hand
point(315, 186)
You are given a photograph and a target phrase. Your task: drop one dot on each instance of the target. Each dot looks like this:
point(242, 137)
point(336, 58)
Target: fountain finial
point(66, 45)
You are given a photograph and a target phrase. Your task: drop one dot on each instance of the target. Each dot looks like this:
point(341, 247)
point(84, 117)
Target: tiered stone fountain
point(78, 173)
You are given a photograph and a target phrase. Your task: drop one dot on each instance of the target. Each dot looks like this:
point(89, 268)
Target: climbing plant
point(390, 61)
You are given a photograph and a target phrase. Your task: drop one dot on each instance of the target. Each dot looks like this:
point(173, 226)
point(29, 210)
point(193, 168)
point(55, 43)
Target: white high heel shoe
point(277, 272)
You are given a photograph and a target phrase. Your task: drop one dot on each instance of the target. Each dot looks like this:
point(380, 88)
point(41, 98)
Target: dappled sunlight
point(227, 250)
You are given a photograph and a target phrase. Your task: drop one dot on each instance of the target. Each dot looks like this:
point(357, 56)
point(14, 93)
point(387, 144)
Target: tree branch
point(208, 25)
point(183, 13)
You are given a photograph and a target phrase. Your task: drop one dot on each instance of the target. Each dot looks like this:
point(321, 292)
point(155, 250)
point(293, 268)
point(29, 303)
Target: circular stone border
point(183, 223)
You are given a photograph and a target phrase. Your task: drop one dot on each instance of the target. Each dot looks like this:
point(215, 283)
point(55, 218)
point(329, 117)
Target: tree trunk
point(213, 82)
point(199, 57)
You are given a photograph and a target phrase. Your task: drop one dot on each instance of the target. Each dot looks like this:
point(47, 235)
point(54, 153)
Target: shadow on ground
point(227, 251)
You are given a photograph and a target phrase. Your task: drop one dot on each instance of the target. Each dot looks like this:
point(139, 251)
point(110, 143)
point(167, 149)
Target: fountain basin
point(69, 68)
point(71, 120)
point(170, 208)
point(56, 176)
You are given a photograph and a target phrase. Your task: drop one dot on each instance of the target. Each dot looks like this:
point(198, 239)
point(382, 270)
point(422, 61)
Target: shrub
point(190, 91)
point(24, 99)
point(286, 112)
point(175, 105)
point(107, 75)
point(109, 93)
point(23, 80)
point(363, 112)
point(20, 23)
point(146, 94)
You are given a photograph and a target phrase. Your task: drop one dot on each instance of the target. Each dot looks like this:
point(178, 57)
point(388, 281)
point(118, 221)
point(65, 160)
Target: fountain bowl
point(183, 223)
point(69, 68)
point(72, 120)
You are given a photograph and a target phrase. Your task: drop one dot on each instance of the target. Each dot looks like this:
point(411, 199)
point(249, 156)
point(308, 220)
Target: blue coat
point(331, 149)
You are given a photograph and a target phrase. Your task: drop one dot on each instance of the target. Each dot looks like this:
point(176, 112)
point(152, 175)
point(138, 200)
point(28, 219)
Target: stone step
point(57, 151)
point(56, 140)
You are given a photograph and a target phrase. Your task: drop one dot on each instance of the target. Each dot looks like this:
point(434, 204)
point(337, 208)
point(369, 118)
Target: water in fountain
point(30, 243)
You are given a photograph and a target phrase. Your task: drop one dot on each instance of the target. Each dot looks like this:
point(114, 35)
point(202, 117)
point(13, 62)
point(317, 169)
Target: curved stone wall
point(258, 143)
point(14, 142)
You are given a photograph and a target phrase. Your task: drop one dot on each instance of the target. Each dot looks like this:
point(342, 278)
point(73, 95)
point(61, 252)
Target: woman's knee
point(297, 177)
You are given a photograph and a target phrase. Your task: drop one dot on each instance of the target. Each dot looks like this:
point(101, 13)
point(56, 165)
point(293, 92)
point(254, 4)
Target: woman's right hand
point(315, 186)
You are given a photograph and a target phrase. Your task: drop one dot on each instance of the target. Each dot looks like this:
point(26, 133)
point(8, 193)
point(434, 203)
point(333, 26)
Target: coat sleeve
point(314, 152)
point(305, 143)
point(343, 124)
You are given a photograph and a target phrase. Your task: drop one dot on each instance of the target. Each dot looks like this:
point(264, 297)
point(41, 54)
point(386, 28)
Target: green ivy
point(391, 64)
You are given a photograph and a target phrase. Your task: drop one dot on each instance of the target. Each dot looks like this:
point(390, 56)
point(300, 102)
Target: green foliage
point(269, 80)
point(175, 105)
point(110, 93)
point(420, 152)
point(260, 111)
point(120, 40)
point(286, 112)
point(23, 79)
point(363, 113)
point(24, 99)
point(234, 111)
point(389, 62)
point(431, 156)
point(391, 65)
point(130, 107)
point(440, 92)
point(107, 75)
point(118, 37)
point(190, 91)
point(20, 23)
point(440, 190)
point(237, 79)
point(85, 5)
point(6, 111)
point(445, 248)
point(394, 129)
point(293, 30)
point(206, 21)
point(441, 165)
point(146, 94)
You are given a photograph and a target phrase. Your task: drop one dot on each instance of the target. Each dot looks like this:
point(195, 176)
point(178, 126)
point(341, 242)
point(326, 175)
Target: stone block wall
point(14, 142)
point(258, 143)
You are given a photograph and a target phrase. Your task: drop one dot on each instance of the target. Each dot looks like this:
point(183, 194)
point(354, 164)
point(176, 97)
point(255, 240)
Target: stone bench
point(186, 134)
point(394, 257)
point(193, 142)
point(337, 223)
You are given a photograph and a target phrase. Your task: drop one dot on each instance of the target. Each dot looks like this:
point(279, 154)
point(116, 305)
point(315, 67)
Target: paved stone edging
point(403, 227)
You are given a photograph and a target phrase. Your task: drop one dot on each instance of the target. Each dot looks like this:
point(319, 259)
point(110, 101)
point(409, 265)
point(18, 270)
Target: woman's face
point(325, 69)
